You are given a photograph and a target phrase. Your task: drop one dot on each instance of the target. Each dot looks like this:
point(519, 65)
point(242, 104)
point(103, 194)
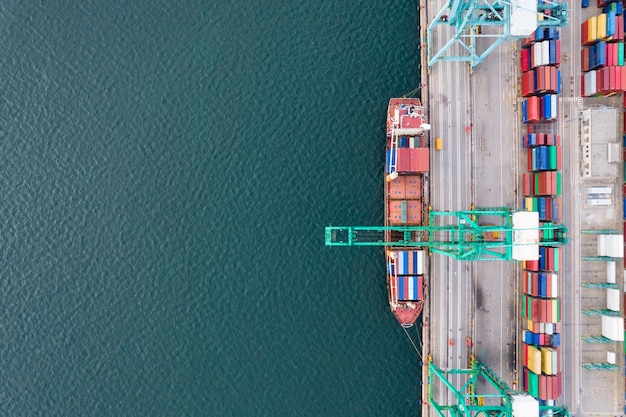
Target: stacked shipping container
point(540, 59)
point(405, 192)
point(602, 55)
point(541, 311)
point(410, 279)
point(541, 190)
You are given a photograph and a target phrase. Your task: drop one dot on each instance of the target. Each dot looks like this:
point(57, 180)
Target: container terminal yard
point(478, 110)
point(534, 123)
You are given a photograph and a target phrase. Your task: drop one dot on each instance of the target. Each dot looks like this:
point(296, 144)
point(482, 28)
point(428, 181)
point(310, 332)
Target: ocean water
point(166, 173)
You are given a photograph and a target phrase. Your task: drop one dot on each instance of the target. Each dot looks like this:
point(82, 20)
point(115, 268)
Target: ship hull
point(406, 176)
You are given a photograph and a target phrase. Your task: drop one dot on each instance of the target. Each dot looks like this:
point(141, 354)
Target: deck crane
point(491, 22)
point(494, 233)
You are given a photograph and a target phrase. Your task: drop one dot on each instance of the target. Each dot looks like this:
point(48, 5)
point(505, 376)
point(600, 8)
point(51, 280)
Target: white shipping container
point(420, 262)
point(611, 245)
point(536, 55)
point(613, 328)
point(590, 83)
point(610, 272)
point(545, 53)
point(554, 107)
point(612, 299)
point(610, 357)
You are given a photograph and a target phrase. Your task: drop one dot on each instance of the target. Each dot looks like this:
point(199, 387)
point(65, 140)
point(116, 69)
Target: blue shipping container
point(610, 24)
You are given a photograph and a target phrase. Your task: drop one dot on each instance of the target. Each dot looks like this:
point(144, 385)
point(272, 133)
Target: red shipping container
point(541, 138)
point(557, 140)
point(419, 160)
point(558, 52)
point(542, 387)
point(608, 48)
point(612, 86)
point(606, 79)
point(525, 59)
point(623, 77)
point(584, 59)
point(403, 160)
point(584, 39)
point(533, 109)
point(618, 79)
point(536, 309)
point(532, 265)
point(526, 189)
point(528, 80)
point(559, 157)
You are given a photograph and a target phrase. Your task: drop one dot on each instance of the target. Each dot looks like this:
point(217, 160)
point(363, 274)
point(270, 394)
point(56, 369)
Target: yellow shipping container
point(592, 28)
point(601, 27)
point(534, 359)
point(546, 361)
point(529, 205)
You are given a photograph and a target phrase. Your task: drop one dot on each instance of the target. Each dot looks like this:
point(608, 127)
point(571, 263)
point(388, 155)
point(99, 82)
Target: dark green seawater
point(167, 169)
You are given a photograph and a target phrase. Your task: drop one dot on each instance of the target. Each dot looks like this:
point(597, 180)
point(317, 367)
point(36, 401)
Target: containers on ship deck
point(408, 160)
point(405, 187)
point(410, 288)
point(408, 262)
point(401, 212)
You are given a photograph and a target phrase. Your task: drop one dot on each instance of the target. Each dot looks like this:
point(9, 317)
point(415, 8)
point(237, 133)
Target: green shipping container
point(556, 259)
point(552, 154)
point(620, 53)
point(558, 183)
point(533, 384)
point(548, 233)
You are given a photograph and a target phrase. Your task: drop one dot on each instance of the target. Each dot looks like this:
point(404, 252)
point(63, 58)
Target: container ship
point(406, 204)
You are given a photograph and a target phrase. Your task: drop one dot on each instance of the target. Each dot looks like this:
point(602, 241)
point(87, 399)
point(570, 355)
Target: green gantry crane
point(494, 233)
point(489, 22)
point(478, 392)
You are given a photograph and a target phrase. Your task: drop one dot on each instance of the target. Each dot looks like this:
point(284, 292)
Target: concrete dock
point(477, 114)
